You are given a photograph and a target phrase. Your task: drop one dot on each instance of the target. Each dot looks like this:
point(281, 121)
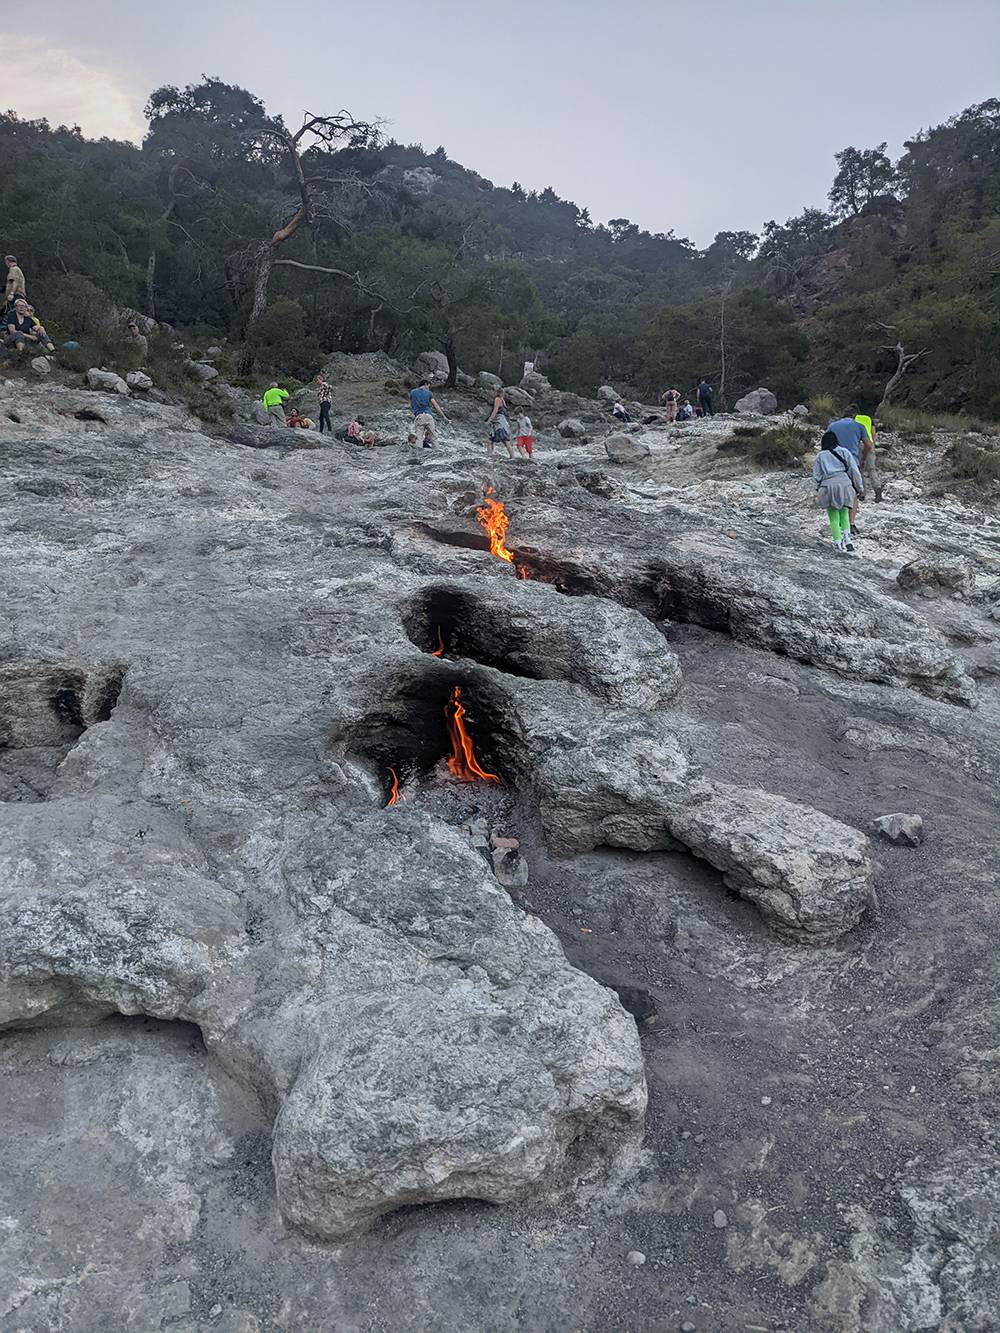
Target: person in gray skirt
point(838, 484)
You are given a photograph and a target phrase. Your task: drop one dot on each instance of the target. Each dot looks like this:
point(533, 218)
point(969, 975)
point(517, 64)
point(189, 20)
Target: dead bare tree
point(723, 296)
point(904, 360)
point(315, 132)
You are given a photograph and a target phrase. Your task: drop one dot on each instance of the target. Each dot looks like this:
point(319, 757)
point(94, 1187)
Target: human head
point(21, 306)
point(829, 441)
point(853, 409)
point(273, 384)
point(425, 384)
point(133, 328)
point(9, 260)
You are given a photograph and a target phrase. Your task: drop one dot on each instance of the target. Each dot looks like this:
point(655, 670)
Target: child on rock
point(525, 438)
point(838, 482)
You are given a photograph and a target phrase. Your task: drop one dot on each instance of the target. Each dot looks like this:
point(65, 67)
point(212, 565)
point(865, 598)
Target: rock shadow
point(45, 707)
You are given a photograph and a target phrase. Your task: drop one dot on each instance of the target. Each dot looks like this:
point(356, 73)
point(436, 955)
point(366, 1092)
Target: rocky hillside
point(396, 249)
point(681, 1012)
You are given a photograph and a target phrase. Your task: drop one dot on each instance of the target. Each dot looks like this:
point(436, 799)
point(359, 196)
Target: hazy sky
point(696, 115)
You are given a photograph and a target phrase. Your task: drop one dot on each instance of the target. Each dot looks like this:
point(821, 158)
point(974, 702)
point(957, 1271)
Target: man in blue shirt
point(423, 405)
point(853, 437)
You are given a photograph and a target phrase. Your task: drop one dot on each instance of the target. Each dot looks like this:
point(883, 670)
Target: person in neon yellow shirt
point(873, 482)
point(272, 400)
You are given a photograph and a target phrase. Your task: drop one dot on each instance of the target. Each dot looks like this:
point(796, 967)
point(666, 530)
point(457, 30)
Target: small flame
point(394, 796)
point(439, 650)
point(462, 763)
point(494, 518)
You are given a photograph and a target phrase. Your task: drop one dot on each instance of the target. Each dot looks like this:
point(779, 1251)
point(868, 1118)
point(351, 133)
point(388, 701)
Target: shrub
point(820, 408)
point(970, 461)
point(784, 446)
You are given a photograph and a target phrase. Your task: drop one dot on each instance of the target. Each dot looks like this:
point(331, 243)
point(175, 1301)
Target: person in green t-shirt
point(273, 399)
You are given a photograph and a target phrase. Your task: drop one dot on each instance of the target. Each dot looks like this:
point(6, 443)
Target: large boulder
point(40, 365)
point(518, 397)
point(106, 381)
point(800, 410)
point(758, 402)
point(535, 383)
point(809, 875)
point(625, 449)
point(937, 576)
point(138, 379)
point(485, 380)
point(607, 394)
point(202, 371)
point(432, 365)
point(572, 428)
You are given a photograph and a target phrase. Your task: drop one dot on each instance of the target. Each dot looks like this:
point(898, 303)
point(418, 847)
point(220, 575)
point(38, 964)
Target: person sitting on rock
point(25, 332)
point(136, 339)
point(295, 418)
point(685, 412)
point(618, 411)
point(272, 400)
point(354, 434)
point(14, 286)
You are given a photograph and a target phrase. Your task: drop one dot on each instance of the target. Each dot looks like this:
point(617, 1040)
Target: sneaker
point(839, 547)
point(855, 531)
point(428, 445)
point(848, 544)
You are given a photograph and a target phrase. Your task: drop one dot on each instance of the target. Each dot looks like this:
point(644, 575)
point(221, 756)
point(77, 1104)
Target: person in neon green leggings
point(838, 483)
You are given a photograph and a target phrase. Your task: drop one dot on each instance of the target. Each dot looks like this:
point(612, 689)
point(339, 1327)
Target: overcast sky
point(695, 115)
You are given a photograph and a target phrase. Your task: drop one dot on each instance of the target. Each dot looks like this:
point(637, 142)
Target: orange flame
point(439, 650)
point(394, 797)
point(462, 763)
point(494, 518)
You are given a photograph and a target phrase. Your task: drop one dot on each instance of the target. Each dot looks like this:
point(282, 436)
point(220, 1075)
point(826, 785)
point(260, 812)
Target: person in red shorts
point(525, 438)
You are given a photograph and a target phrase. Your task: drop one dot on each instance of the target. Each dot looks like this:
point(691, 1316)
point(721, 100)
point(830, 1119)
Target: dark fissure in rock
point(449, 623)
point(408, 731)
point(470, 541)
point(45, 708)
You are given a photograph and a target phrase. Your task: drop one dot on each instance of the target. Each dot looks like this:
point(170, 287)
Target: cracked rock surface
point(251, 1015)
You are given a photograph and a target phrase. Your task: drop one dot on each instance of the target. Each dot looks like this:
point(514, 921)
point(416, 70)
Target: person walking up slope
point(325, 394)
point(838, 484)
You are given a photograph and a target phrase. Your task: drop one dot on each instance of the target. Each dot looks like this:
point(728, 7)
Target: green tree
point(862, 176)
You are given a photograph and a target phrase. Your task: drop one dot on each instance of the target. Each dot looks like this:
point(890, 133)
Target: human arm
point(438, 408)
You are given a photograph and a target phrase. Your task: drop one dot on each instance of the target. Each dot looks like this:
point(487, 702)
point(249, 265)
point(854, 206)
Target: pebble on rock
point(636, 1258)
point(719, 1219)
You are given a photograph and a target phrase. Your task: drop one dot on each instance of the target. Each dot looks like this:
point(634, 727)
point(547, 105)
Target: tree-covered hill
point(300, 240)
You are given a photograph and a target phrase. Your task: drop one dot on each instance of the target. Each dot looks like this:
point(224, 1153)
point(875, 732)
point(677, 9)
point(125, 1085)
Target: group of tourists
point(23, 329)
point(678, 410)
point(846, 459)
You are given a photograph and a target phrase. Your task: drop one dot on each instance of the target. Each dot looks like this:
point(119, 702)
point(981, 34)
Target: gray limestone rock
point(40, 365)
point(107, 381)
point(433, 365)
point(607, 394)
point(202, 371)
point(571, 428)
point(625, 449)
point(758, 402)
point(800, 410)
point(905, 829)
point(518, 397)
point(535, 383)
point(487, 381)
point(138, 379)
point(937, 576)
